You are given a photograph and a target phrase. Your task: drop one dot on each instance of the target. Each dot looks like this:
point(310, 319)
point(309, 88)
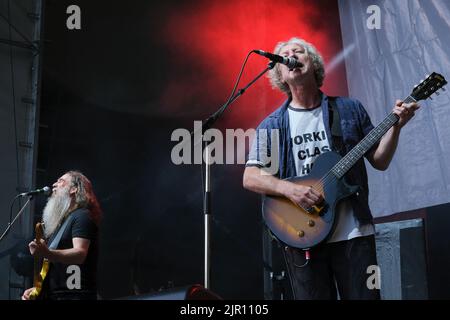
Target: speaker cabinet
point(401, 257)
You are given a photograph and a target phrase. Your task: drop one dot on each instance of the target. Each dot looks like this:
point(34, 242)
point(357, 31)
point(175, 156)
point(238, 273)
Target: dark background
point(112, 94)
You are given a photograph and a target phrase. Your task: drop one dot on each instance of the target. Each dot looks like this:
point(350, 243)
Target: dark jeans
point(342, 264)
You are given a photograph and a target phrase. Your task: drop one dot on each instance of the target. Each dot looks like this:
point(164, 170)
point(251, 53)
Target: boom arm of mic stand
point(213, 118)
point(10, 224)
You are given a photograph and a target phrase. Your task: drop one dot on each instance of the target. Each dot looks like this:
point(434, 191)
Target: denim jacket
point(355, 125)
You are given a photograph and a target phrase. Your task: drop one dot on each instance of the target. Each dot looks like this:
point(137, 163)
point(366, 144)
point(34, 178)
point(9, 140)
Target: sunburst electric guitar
point(305, 228)
point(40, 267)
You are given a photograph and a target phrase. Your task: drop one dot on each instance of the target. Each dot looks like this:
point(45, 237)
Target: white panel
point(413, 41)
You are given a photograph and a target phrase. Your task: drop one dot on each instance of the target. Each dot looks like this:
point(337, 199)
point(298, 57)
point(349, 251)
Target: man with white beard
point(72, 273)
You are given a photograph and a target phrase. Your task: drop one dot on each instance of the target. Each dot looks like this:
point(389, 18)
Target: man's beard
point(55, 209)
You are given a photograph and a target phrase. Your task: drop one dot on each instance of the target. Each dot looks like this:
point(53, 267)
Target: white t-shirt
point(309, 140)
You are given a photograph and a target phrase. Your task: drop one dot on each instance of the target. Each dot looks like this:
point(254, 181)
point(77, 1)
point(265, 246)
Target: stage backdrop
point(383, 65)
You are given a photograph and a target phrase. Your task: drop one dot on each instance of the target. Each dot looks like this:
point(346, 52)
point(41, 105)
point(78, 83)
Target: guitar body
point(38, 282)
point(40, 272)
point(295, 226)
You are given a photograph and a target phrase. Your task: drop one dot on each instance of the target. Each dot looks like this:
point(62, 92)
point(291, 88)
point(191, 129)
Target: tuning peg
point(437, 93)
point(431, 98)
point(443, 89)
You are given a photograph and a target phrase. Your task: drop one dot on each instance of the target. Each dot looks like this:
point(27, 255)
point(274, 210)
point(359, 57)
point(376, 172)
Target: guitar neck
point(36, 269)
point(39, 233)
point(349, 160)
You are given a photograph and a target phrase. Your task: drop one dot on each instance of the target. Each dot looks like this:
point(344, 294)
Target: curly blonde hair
point(319, 69)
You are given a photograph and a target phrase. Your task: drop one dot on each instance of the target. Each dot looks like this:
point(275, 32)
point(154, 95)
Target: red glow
point(220, 34)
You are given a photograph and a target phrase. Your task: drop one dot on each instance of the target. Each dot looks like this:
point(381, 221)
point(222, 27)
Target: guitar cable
point(307, 258)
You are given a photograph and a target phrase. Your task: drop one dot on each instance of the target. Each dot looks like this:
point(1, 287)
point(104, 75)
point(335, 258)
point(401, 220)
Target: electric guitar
point(40, 272)
point(305, 228)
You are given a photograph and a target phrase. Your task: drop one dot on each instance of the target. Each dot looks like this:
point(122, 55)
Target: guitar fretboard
point(347, 162)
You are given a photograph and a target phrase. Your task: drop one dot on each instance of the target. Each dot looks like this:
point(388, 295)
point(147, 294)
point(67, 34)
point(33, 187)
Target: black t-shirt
point(81, 226)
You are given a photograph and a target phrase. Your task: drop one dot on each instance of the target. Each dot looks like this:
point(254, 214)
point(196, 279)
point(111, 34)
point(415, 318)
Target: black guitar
point(300, 228)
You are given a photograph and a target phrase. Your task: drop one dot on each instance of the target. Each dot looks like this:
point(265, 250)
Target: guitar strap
point(335, 126)
point(57, 238)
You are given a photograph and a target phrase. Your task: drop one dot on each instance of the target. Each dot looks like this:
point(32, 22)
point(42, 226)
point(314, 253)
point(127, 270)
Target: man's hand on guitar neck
point(405, 111)
point(381, 157)
point(39, 248)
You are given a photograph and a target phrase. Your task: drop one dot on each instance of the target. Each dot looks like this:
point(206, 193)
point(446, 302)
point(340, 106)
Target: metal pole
point(207, 214)
point(16, 217)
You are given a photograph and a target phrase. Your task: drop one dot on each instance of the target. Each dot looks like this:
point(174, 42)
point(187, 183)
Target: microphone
point(292, 63)
point(45, 190)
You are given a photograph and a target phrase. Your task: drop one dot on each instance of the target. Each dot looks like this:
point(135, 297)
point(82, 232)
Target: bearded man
point(73, 208)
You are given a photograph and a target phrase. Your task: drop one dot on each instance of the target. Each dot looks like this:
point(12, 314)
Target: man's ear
point(73, 190)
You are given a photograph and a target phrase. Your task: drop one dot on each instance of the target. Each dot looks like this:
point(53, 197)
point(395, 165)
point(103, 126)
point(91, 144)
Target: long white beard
point(54, 211)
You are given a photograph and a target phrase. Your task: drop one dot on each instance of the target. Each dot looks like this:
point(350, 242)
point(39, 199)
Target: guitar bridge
point(318, 209)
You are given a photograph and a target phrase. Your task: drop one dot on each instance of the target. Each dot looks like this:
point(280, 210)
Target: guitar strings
point(324, 181)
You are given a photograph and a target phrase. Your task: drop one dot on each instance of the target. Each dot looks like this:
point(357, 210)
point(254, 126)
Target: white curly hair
point(319, 69)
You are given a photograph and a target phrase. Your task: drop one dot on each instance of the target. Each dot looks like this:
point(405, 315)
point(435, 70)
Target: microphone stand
point(10, 224)
point(207, 195)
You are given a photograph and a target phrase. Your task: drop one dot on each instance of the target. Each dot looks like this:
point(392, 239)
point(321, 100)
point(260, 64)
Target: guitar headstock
point(39, 230)
point(427, 87)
